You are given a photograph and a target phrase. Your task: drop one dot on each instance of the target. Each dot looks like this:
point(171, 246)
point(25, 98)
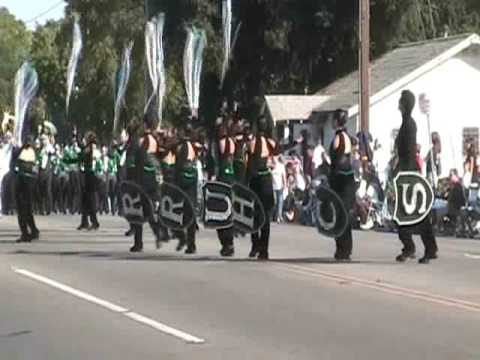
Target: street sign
point(424, 103)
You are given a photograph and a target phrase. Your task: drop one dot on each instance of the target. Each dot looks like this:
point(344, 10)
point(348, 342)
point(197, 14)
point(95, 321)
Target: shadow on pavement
point(180, 258)
point(15, 334)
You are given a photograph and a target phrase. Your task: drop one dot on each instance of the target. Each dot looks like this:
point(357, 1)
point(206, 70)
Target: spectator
point(320, 159)
point(279, 177)
point(357, 166)
point(419, 159)
point(365, 147)
point(309, 166)
point(434, 172)
point(456, 198)
point(470, 165)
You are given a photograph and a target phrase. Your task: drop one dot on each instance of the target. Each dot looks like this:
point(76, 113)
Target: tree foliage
point(14, 46)
point(284, 46)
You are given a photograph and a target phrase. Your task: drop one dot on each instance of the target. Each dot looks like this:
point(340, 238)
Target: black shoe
point(164, 236)
point(227, 251)
point(404, 256)
point(23, 238)
point(253, 253)
point(190, 250)
point(35, 235)
point(427, 257)
point(136, 248)
point(424, 260)
point(129, 232)
point(82, 227)
point(342, 258)
point(180, 246)
point(93, 227)
point(263, 256)
point(159, 237)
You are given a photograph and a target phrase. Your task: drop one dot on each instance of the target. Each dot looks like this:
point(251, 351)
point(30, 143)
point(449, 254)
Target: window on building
point(470, 134)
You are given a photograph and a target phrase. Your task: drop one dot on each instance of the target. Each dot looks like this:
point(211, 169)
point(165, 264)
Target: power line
point(53, 7)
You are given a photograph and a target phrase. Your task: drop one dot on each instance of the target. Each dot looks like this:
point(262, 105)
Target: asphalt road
point(81, 295)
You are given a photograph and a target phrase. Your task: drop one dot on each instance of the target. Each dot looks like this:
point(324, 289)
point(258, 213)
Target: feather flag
point(156, 62)
point(199, 48)
point(227, 37)
point(26, 87)
point(228, 44)
point(74, 57)
point(122, 83)
point(192, 65)
point(188, 66)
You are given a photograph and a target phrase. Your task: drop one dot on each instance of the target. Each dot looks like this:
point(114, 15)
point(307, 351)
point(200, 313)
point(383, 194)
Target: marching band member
point(45, 175)
point(226, 174)
point(342, 180)
point(186, 177)
point(167, 143)
point(102, 180)
point(5, 157)
point(242, 136)
point(112, 176)
point(60, 181)
point(26, 172)
point(166, 153)
point(406, 147)
point(142, 168)
point(75, 180)
point(262, 149)
point(89, 157)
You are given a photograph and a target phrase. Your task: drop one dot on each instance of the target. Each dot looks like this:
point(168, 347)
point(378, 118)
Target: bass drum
point(331, 215)
point(137, 206)
point(176, 211)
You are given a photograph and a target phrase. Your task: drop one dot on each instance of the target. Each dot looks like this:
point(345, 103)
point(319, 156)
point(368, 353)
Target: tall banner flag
point(154, 53)
point(192, 65)
point(228, 42)
point(74, 57)
point(122, 83)
point(26, 87)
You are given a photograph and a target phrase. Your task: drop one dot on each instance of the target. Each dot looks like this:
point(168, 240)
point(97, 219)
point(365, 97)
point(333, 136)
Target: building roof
point(394, 70)
point(293, 107)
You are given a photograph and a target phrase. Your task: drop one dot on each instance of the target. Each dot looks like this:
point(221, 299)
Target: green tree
point(14, 46)
point(285, 46)
point(49, 56)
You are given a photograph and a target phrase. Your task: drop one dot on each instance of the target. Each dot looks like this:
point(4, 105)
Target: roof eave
point(473, 39)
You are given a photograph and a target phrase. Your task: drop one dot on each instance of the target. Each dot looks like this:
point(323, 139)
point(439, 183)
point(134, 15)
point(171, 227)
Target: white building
point(446, 70)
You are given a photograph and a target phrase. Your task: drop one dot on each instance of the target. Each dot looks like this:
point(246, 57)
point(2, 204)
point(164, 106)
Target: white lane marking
point(112, 307)
point(471, 256)
point(387, 288)
point(72, 291)
point(164, 328)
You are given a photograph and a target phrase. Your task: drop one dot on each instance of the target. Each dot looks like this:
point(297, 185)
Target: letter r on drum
point(168, 207)
point(132, 206)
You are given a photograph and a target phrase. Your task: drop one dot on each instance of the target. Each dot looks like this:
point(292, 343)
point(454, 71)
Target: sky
point(28, 9)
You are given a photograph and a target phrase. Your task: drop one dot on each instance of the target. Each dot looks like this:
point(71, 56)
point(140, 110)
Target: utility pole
point(364, 57)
